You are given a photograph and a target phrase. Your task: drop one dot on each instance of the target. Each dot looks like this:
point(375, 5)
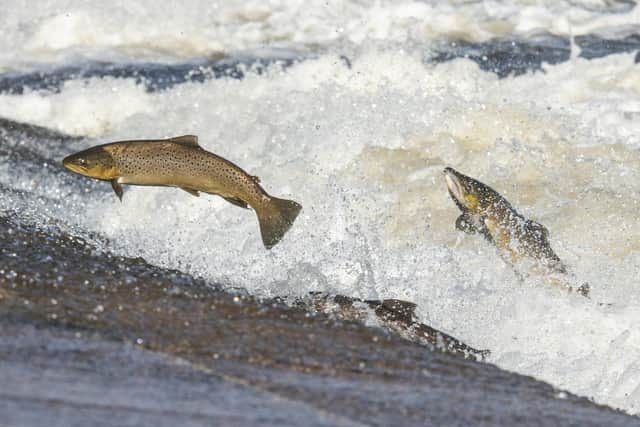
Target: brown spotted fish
point(486, 212)
point(181, 162)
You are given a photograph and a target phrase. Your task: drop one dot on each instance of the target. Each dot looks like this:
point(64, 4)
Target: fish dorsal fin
point(538, 228)
point(399, 305)
point(188, 140)
point(395, 310)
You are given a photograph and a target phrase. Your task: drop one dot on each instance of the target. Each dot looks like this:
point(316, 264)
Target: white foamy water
point(363, 149)
point(70, 29)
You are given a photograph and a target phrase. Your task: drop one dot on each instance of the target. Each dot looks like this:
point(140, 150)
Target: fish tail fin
point(276, 217)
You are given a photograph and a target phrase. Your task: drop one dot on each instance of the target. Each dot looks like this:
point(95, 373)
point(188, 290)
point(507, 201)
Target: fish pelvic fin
point(276, 217)
point(117, 188)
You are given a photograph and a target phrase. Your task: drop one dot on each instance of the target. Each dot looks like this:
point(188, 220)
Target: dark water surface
point(503, 56)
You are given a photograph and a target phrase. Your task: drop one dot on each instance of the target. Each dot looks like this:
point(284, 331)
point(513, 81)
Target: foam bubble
point(85, 108)
point(58, 30)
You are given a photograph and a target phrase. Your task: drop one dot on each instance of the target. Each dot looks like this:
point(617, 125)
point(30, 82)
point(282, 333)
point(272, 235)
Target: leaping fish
point(486, 212)
point(181, 162)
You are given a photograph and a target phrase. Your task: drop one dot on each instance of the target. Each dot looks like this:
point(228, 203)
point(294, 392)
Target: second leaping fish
point(181, 162)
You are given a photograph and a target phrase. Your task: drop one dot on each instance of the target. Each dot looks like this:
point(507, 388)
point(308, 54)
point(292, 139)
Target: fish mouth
point(72, 164)
point(454, 185)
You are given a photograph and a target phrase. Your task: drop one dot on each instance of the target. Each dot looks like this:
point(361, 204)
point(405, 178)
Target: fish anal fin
point(117, 188)
point(188, 140)
point(190, 191)
point(236, 202)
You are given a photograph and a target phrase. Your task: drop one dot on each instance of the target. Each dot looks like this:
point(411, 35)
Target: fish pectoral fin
point(464, 223)
point(188, 140)
point(117, 188)
point(236, 202)
point(190, 191)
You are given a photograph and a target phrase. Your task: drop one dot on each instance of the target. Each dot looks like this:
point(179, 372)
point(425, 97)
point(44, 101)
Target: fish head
point(95, 162)
point(471, 196)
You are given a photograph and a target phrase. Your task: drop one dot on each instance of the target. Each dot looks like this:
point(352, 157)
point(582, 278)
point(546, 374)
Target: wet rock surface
point(91, 337)
point(65, 377)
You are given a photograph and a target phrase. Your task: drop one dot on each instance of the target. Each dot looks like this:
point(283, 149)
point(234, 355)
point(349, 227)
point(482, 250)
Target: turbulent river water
point(354, 110)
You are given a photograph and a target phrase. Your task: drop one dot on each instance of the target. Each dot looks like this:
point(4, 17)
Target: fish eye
point(82, 162)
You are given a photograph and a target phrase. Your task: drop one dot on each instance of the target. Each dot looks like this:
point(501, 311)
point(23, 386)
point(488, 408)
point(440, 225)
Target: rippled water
point(355, 116)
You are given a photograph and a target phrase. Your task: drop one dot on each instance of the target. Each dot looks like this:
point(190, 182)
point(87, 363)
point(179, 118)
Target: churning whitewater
point(358, 131)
